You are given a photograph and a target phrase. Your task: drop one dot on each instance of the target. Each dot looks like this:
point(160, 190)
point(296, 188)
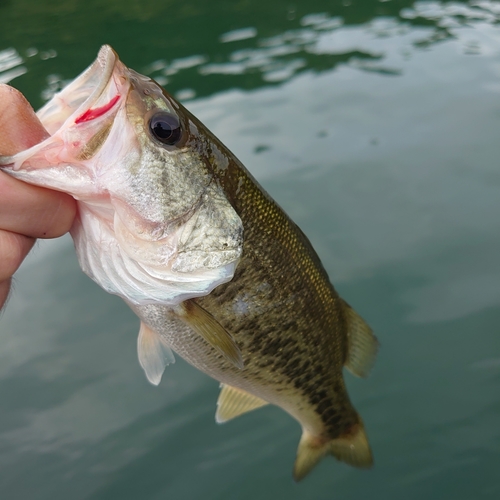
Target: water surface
point(375, 125)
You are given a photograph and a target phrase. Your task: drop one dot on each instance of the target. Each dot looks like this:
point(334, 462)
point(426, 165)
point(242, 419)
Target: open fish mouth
point(95, 93)
point(83, 94)
point(78, 120)
point(135, 235)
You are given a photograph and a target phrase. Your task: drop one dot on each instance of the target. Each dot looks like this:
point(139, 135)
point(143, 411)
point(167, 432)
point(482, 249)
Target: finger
point(20, 126)
point(27, 209)
point(34, 211)
point(4, 292)
point(13, 249)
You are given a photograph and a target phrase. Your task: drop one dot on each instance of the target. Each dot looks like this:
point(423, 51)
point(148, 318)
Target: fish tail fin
point(352, 447)
point(310, 451)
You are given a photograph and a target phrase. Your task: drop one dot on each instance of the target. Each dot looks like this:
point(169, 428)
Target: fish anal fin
point(205, 325)
point(362, 344)
point(234, 402)
point(154, 354)
point(352, 448)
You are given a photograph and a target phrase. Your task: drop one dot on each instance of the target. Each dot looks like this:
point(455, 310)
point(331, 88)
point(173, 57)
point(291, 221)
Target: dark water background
point(376, 126)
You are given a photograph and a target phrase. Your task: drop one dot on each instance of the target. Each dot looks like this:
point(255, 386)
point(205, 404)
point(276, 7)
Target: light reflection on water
point(379, 137)
point(10, 65)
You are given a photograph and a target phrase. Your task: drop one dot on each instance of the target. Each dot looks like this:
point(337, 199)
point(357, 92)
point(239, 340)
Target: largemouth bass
point(172, 222)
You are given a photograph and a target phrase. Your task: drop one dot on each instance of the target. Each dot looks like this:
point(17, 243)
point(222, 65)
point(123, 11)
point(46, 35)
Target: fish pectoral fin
point(362, 344)
point(204, 324)
point(154, 354)
point(233, 402)
point(352, 447)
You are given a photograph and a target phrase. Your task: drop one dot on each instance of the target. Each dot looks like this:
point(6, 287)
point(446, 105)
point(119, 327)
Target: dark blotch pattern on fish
point(285, 324)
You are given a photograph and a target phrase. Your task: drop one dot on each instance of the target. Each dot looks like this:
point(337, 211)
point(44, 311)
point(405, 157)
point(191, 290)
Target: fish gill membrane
point(172, 222)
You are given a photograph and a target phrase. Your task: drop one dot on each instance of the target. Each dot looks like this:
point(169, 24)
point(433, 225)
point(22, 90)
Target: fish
point(171, 221)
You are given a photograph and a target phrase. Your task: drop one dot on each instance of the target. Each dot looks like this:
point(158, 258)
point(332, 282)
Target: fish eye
point(166, 128)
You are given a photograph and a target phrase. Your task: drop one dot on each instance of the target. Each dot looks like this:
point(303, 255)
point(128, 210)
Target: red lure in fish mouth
point(92, 114)
point(94, 82)
point(89, 96)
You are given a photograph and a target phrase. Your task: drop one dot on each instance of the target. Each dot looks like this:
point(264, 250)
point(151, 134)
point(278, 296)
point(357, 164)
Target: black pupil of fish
point(166, 128)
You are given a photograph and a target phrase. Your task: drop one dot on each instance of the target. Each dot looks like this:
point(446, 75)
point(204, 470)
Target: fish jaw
point(132, 236)
point(78, 119)
point(79, 96)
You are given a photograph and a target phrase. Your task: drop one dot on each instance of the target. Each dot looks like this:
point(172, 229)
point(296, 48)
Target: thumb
point(19, 124)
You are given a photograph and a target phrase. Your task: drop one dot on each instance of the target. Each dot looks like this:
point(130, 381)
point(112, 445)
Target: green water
point(375, 125)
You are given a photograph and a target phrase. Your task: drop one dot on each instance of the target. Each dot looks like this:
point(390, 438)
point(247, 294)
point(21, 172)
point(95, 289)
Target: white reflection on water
point(283, 56)
point(10, 65)
point(237, 35)
point(410, 159)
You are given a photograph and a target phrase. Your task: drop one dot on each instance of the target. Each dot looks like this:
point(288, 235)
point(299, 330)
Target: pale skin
point(26, 212)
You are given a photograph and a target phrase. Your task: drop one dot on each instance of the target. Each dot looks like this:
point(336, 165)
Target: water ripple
point(10, 65)
point(323, 41)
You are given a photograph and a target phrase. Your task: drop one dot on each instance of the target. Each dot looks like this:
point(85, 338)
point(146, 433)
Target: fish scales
point(173, 223)
point(305, 299)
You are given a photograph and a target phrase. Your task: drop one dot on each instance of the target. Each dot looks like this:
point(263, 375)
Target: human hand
point(26, 212)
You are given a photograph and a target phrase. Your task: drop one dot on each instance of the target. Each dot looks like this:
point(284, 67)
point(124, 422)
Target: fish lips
point(82, 94)
point(71, 117)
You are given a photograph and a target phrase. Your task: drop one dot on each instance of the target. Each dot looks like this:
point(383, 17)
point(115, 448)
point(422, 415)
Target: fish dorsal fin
point(234, 402)
point(362, 344)
point(205, 325)
point(154, 354)
point(351, 447)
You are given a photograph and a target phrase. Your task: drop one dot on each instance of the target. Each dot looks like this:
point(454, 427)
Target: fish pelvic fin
point(154, 354)
point(205, 325)
point(352, 448)
point(234, 402)
point(362, 344)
